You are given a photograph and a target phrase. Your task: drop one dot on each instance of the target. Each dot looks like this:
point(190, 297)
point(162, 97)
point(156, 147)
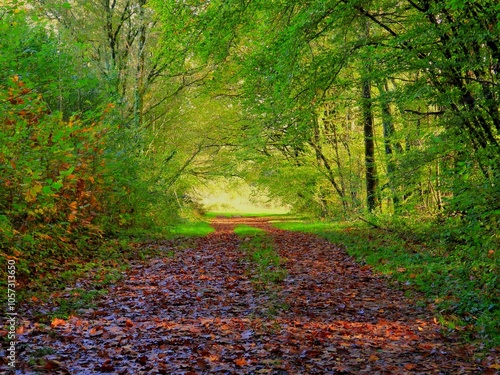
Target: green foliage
point(70, 173)
point(52, 165)
point(45, 64)
point(302, 67)
point(461, 282)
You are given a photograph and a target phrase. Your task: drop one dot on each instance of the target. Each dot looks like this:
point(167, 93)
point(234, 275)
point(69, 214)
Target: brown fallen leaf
point(410, 366)
point(52, 365)
point(115, 330)
point(56, 322)
point(143, 360)
point(129, 323)
point(107, 366)
point(202, 363)
point(95, 331)
point(241, 362)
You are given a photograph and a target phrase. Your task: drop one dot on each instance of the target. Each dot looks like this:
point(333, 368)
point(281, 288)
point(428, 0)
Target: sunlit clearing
point(235, 196)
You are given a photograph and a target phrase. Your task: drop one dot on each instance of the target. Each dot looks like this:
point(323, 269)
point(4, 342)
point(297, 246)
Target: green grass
point(190, 229)
point(247, 230)
point(258, 247)
point(267, 267)
point(74, 300)
point(460, 282)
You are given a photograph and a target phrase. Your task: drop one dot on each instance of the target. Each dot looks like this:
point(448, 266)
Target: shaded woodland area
point(113, 112)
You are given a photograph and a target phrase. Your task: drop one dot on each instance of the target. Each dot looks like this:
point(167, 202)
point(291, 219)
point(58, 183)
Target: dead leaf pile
point(200, 313)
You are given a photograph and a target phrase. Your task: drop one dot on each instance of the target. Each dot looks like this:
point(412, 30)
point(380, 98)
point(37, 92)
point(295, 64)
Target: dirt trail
point(199, 313)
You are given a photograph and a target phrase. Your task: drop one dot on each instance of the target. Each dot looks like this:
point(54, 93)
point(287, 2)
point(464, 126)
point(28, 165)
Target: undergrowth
point(459, 281)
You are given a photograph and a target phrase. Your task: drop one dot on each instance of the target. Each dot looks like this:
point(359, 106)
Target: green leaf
point(47, 190)
point(67, 172)
point(57, 185)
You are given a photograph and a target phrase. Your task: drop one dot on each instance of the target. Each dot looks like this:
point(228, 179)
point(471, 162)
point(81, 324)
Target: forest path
point(199, 312)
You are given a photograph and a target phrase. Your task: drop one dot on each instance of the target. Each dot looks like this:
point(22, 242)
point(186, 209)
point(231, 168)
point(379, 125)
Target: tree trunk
point(322, 160)
point(388, 128)
point(372, 200)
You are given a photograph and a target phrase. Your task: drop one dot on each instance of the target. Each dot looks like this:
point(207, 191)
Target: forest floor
point(201, 309)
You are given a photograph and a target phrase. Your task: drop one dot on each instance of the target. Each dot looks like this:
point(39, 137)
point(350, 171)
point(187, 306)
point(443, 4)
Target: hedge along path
point(199, 313)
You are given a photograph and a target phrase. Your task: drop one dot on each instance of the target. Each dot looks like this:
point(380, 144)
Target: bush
point(51, 176)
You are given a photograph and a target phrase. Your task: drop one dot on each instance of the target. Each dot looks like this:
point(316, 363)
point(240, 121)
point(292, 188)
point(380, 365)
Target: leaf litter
point(200, 313)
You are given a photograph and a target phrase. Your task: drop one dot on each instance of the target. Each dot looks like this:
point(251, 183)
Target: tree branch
point(437, 113)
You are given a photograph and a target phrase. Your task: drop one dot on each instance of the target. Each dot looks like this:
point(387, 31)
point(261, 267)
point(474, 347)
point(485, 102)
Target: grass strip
point(258, 247)
point(268, 271)
point(190, 229)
